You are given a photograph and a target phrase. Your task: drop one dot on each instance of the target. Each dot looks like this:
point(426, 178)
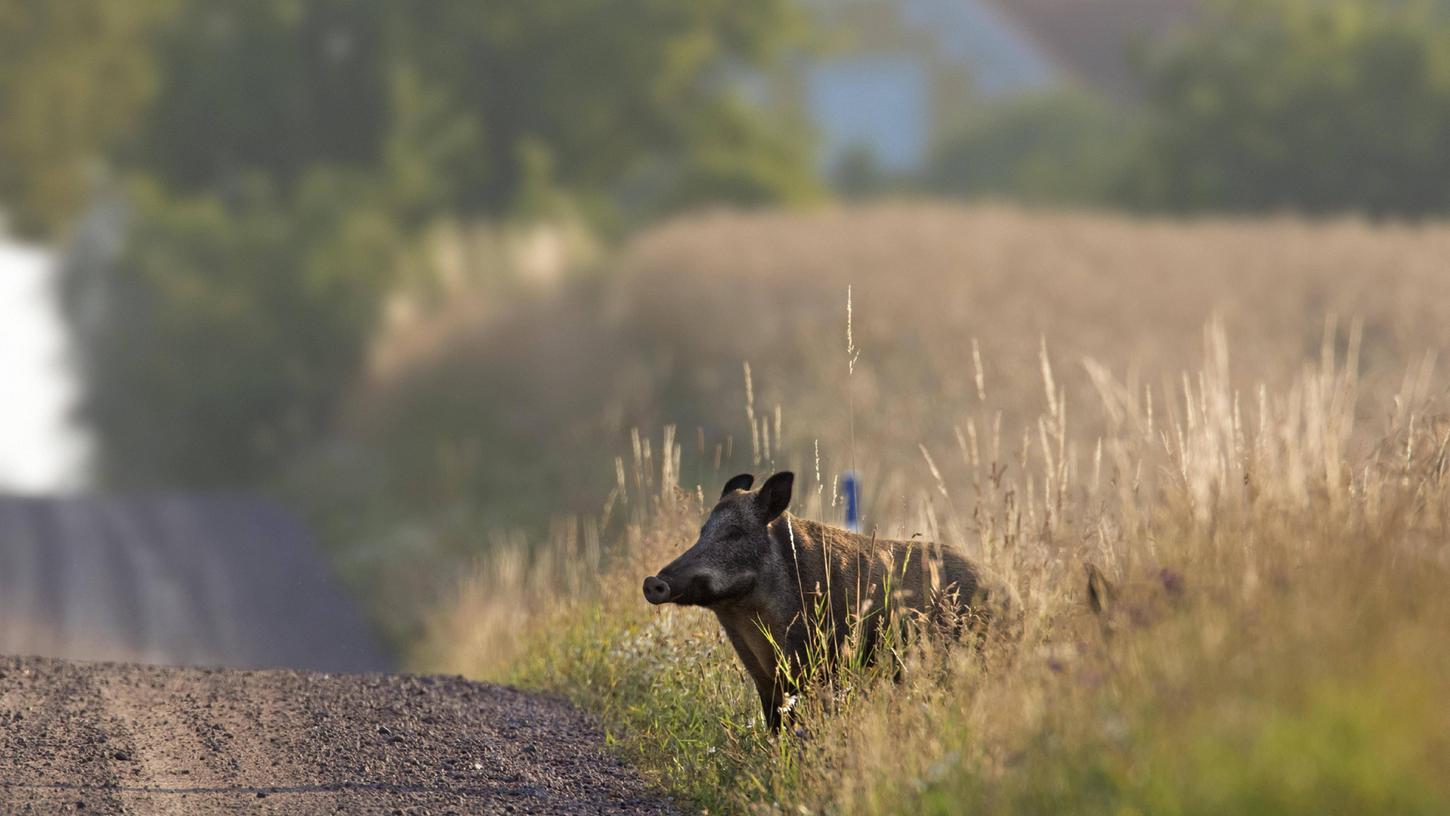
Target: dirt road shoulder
point(113, 738)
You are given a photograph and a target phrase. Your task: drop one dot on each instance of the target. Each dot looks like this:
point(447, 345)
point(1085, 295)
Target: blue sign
point(851, 492)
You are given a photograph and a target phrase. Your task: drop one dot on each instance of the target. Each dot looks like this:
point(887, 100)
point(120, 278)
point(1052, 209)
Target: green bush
point(1318, 106)
point(456, 104)
point(223, 333)
point(74, 79)
point(1056, 147)
point(285, 153)
point(1311, 105)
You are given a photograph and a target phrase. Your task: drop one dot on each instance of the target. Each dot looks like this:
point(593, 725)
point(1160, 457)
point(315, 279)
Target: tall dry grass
point(506, 405)
point(1040, 391)
point(550, 385)
point(1275, 642)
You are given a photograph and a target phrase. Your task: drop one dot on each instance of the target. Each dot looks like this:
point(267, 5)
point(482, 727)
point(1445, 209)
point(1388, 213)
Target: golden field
point(1238, 422)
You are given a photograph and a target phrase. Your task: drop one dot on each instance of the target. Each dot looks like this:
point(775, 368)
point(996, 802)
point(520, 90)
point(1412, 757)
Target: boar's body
point(790, 592)
point(824, 581)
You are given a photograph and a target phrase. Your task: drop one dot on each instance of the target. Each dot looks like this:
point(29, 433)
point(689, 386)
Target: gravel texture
point(120, 738)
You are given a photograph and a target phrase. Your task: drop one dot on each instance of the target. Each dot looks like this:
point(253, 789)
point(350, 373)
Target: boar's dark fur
point(763, 571)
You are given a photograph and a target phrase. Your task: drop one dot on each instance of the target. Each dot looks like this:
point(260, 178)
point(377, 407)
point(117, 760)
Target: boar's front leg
point(771, 698)
point(789, 672)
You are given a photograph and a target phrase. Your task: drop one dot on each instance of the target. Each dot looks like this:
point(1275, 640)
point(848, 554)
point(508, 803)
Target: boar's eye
point(734, 532)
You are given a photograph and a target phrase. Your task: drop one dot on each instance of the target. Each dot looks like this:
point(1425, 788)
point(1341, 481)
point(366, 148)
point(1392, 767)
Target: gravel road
point(120, 738)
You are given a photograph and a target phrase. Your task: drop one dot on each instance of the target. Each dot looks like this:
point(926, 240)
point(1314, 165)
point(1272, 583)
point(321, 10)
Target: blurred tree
point(464, 100)
point(858, 174)
point(732, 154)
point(74, 77)
point(451, 102)
point(223, 334)
point(1313, 105)
point(275, 156)
point(601, 91)
point(267, 87)
point(1059, 147)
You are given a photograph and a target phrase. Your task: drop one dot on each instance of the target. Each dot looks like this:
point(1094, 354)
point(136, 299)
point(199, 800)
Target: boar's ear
point(1100, 590)
point(741, 482)
point(775, 495)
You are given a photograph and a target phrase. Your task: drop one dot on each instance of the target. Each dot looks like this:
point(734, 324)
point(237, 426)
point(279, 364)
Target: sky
point(41, 451)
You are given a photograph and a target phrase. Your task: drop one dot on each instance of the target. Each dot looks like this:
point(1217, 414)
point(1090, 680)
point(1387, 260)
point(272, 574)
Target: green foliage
point(286, 152)
point(73, 79)
point(225, 331)
point(670, 696)
point(1314, 105)
point(607, 90)
point(453, 101)
point(1056, 147)
point(272, 88)
point(734, 155)
point(859, 175)
point(1352, 746)
point(589, 88)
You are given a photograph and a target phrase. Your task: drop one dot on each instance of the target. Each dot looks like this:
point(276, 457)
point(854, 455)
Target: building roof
point(194, 580)
point(1092, 40)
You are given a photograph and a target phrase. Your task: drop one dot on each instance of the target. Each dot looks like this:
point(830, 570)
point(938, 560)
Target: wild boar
point(785, 588)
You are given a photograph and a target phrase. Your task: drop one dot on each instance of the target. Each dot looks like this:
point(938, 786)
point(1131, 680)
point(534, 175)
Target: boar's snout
point(656, 590)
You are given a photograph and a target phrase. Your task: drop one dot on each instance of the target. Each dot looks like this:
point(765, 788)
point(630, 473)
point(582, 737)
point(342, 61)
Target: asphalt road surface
point(122, 738)
point(215, 580)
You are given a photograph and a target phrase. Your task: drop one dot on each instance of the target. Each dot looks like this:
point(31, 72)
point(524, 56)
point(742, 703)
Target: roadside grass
point(1275, 639)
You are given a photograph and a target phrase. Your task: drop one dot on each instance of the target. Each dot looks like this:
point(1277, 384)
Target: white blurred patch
point(41, 450)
